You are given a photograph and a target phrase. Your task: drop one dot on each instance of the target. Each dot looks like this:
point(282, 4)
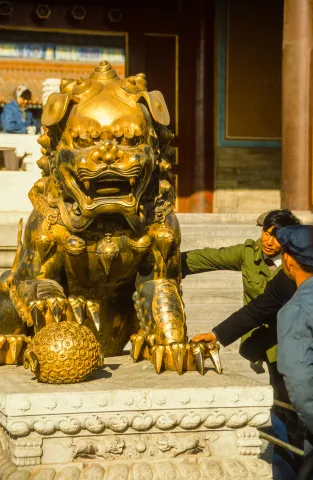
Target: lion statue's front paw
point(178, 356)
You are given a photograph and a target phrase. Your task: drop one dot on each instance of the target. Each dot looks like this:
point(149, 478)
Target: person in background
point(295, 331)
point(15, 117)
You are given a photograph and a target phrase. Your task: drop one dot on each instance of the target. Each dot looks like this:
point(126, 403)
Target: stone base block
point(128, 423)
point(174, 469)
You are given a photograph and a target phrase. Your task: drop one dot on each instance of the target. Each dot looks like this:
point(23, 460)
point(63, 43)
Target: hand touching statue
point(205, 337)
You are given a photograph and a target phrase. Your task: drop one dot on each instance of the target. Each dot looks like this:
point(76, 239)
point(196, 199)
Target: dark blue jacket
point(295, 350)
point(12, 120)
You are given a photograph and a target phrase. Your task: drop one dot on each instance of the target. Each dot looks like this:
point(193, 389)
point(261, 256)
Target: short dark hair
point(280, 218)
point(303, 266)
point(306, 268)
point(27, 94)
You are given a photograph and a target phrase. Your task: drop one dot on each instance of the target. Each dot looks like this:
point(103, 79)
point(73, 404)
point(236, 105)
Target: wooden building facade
point(221, 68)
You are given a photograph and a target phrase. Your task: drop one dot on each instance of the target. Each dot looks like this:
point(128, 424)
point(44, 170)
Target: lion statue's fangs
point(102, 245)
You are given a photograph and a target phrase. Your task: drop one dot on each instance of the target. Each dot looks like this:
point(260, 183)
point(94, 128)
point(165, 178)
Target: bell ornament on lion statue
point(100, 260)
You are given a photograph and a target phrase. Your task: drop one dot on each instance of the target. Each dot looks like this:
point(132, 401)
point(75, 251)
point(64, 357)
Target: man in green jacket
point(258, 260)
point(254, 258)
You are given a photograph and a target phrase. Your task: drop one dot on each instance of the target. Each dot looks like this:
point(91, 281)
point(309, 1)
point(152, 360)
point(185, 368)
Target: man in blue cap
point(295, 330)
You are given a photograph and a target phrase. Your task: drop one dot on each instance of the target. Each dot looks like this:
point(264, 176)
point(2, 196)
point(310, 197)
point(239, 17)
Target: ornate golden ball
point(63, 352)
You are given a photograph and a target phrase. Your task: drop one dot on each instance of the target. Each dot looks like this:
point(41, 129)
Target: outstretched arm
point(210, 259)
point(260, 310)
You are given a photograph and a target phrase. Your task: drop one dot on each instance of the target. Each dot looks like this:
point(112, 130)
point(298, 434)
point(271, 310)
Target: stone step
point(221, 279)
point(8, 234)
point(205, 323)
point(207, 296)
point(232, 218)
point(216, 313)
point(217, 230)
point(7, 255)
point(247, 231)
point(234, 362)
point(217, 218)
point(12, 217)
point(192, 242)
point(205, 319)
point(215, 280)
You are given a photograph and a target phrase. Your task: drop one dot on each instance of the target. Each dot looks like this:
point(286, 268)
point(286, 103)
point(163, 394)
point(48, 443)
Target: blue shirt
point(295, 350)
point(12, 119)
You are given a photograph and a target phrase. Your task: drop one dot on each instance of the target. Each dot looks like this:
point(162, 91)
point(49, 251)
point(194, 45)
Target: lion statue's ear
point(157, 106)
point(55, 108)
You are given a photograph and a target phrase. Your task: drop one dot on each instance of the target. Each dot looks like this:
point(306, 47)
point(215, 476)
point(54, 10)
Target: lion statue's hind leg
point(13, 340)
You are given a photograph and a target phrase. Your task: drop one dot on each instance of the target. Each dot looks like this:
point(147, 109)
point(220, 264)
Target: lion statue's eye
point(83, 142)
point(130, 142)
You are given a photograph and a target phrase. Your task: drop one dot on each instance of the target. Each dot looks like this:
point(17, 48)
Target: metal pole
point(280, 443)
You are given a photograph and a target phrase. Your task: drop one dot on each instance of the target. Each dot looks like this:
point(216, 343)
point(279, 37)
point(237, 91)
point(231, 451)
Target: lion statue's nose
point(107, 153)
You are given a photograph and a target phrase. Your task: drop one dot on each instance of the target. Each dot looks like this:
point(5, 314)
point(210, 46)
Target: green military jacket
point(245, 257)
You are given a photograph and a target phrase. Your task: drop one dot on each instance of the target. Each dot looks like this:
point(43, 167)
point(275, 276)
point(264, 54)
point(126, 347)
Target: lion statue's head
point(106, 149)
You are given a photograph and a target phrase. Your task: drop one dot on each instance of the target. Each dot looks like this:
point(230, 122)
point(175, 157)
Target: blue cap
point(297, 241)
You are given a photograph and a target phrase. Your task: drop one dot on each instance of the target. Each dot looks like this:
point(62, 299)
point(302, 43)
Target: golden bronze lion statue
point(102, 245)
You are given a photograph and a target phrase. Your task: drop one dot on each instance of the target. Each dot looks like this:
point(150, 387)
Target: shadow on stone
point(267, 447)
point(101, 373)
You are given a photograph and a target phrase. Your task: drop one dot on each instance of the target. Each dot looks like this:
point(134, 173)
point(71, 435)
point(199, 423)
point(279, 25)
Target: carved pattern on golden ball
point(63, 352)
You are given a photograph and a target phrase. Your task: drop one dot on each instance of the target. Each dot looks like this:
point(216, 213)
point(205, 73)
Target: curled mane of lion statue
point(102, 245)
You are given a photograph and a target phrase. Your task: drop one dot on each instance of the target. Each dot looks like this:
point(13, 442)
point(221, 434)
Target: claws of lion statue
point(102, 245)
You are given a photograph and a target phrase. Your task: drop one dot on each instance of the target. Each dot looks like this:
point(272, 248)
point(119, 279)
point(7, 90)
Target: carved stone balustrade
point(126, 422)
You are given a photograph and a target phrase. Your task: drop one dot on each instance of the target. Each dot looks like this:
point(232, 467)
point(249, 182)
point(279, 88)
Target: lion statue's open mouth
point(105, 177)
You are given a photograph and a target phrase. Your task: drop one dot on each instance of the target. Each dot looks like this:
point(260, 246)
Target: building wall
point(247, 154)
point(173, 43)
point(223, 90)
point(247, 180)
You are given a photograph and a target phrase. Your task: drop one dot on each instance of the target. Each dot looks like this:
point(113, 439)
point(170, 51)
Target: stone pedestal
point(126, 422)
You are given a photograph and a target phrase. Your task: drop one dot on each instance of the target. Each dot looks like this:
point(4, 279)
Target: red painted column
point(202, 184)
point(296, 105)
